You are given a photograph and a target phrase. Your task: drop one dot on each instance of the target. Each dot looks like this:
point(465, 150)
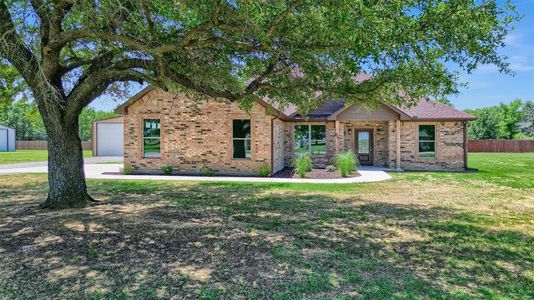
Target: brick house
point(171, 129)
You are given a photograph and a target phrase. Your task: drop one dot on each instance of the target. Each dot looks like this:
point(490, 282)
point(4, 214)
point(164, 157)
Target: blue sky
point(486, 86)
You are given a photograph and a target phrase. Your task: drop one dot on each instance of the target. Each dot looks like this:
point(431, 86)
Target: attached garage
point(7, 139)
point(108, 137)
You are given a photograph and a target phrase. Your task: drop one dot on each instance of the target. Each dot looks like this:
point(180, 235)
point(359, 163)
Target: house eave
point(439, 119)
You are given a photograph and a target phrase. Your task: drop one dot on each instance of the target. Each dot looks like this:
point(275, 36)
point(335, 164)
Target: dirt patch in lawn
point(313, 174)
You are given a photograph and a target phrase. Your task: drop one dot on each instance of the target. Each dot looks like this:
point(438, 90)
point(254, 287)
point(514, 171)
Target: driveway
point(87, 160)
point(110, 171)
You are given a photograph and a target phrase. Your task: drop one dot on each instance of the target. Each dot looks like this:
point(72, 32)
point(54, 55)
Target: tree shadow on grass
point(251, 241)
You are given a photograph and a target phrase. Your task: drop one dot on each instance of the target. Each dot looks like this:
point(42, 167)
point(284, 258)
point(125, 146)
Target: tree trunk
point(66, 177)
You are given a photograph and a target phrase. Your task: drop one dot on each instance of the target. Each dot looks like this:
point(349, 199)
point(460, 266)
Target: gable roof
point(425, 110)
point(121, 109)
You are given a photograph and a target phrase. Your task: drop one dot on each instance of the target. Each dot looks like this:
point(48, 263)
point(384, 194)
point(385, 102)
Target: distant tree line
point(504, 121)
point(19, 112)
point(23, 115)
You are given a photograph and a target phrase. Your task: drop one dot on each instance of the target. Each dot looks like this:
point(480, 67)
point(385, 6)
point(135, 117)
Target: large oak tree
point(70, 52)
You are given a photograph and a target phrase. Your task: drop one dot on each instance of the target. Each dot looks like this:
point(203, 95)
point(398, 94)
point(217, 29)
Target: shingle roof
point(287, 109)
point(434, 110)
point(424, 110)
point(324, 110)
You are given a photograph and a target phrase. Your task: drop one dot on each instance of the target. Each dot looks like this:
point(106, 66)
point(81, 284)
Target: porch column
point(397, 122)
point(337, 138)
point(466, 143)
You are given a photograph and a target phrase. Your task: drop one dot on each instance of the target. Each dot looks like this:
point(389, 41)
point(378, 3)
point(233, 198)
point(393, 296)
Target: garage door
point(110, 139)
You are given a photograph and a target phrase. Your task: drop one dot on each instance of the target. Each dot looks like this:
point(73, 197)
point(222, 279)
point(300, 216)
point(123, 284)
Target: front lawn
point(420, 235)
point(22, 156)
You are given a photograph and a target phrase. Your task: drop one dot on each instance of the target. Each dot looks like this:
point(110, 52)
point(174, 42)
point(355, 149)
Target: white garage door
point(110, 139)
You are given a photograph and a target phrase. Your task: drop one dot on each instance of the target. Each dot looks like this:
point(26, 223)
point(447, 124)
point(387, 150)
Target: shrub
point(167, 170)
point(303, 164)
point(264, 171)
point(346, 162)
point(331, 168)
point(126, 170)
point(207, 171)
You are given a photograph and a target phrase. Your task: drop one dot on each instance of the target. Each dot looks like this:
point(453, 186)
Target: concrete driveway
point(109, 171)
point(87, 160)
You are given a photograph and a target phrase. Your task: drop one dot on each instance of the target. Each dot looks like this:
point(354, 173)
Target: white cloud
point(521, 63)
point(514, 39)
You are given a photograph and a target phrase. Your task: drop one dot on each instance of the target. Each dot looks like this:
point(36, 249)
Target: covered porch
point(373, 135)
point(373, 142)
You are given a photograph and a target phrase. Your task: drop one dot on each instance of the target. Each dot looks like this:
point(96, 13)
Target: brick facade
point(449, 144)
point(449, 147)
point(195, 134)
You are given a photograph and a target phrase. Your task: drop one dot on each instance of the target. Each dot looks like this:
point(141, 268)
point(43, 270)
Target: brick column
point(397, 123)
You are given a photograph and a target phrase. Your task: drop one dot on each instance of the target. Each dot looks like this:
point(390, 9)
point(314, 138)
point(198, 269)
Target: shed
point(108, 137)
point(7, 139)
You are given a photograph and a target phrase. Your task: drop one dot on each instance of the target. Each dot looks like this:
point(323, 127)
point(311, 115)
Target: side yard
point(420, 235)
point(22, 156)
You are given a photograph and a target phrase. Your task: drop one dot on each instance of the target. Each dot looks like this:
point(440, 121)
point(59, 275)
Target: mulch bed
point(285, 173)
point(314, 174)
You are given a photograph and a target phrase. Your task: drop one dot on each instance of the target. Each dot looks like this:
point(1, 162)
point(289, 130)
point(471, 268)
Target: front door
point(364, 146)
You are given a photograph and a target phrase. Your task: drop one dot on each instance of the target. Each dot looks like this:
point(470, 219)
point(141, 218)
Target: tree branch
point(95, 84)
point(254, 84)
point(13, 49)
point(43, 13)
point(282, 16)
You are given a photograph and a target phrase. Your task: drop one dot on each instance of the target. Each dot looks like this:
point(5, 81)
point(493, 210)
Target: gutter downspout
point(272, 145)
point(336, 136)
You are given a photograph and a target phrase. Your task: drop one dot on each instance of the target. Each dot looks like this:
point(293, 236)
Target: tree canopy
point(284, 49)
point(295, 51)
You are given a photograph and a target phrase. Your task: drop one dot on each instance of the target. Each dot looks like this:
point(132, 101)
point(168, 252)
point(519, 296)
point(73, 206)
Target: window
point(241, 138)
point(301, 140)
point(427, 141)
point(318, 140)
point(310, 138)
point(151, 138)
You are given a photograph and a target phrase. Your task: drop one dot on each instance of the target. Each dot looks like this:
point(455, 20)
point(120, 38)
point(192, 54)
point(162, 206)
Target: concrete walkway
point(87, 160)
point(98, 171)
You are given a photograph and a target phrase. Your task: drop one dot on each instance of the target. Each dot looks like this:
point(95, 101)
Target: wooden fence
point(501, 146)
point(42, 145)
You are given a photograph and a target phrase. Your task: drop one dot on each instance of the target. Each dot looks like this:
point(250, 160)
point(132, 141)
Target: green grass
point(504, 169)
point(21, 156)
point(421, 235)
